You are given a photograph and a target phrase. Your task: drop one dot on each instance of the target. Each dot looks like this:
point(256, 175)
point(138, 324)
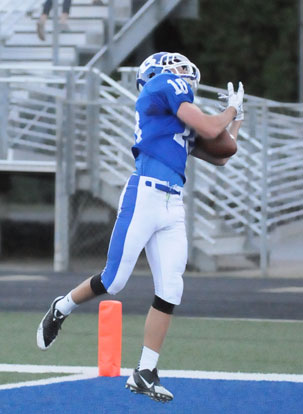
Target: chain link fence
point(27, 225)
point(26, 218)
point(91, 223)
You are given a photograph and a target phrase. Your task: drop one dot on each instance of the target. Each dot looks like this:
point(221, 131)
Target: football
point(223, 146)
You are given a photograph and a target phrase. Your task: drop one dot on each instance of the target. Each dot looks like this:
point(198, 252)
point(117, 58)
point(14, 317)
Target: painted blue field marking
point(109, 396)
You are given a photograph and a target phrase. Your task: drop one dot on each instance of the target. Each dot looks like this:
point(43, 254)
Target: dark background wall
point(254, 41)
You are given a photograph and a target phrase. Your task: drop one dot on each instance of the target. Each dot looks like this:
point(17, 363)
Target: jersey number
point(181, 138)
point(179, 85)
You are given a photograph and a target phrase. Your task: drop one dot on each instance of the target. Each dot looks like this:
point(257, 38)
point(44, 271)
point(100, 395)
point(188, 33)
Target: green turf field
point(192, 343)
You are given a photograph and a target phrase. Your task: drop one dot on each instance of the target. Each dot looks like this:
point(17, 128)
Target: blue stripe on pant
point(119, 233)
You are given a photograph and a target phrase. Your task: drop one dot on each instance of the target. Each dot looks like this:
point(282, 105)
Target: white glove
point(233, 99)
point(224, 98)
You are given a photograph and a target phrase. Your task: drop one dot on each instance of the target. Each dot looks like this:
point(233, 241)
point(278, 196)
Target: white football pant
point(155, 220)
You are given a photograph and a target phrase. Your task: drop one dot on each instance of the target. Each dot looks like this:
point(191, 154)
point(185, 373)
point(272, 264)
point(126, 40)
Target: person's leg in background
point(45, 14)
point(43, 18)
point(63, 26)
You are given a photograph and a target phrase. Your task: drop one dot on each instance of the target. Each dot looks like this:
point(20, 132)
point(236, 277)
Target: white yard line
point(53, 380)
point(214, 318)
point(82, 373)
point(77, 373)
point(42, 369)
point(23, 278)
point(232, 376)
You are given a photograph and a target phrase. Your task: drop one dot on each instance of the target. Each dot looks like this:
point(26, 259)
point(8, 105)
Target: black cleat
point(147, 382)
point(49, 326)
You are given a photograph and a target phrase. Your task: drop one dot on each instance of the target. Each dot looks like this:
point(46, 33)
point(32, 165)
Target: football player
point(169, 127)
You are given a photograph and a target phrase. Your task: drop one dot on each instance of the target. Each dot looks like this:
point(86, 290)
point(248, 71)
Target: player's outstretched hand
point(233, 99)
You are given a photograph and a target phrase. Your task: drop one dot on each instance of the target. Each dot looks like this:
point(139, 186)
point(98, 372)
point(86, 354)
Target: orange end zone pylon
point(110, 338)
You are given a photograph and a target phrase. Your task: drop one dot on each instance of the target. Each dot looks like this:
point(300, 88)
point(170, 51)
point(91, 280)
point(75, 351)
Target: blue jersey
point(151, 167)
point(159, 133)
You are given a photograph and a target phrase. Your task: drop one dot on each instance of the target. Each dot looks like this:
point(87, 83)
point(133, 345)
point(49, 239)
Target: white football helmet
point(168, 62)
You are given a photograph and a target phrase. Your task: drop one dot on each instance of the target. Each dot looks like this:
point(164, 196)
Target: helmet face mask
point(168, 62)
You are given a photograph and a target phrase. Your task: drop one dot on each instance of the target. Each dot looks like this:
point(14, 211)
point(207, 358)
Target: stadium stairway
point(86, 33)
point(101, 34)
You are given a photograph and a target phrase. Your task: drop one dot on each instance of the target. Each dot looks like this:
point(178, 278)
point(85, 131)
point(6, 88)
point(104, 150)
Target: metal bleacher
point(102, 34)
point(87, 31)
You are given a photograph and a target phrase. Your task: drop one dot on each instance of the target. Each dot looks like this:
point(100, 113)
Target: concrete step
point(32, 40)
point(222, 245)
point(26, 54)
point(41, 65)
point(114, 180)
point(217, 227)
point(45, 213)
point(80, 11)
point(107, 189)
point(238, 261)
point(77, 35)
point(28, 166)
point(89, 50)
point(75, 25)
point(222, 258)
